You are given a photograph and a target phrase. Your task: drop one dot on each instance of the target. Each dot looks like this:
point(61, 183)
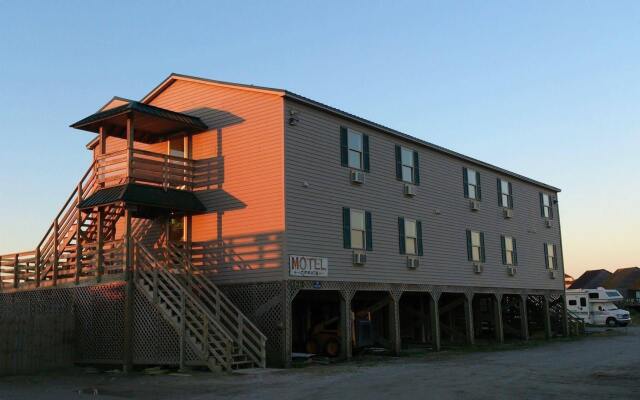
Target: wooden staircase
point(204, 318)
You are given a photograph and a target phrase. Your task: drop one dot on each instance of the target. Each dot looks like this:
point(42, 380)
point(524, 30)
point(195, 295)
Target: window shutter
point(401, 242)
point(398, 162)
point(515, 251)
point(478, 186)
point(503, 245)
point(344, 147)
point(555, 257)
point(465, 182)
point(510, 196)
point(419, 233)
point(469, 250)
point(500, 193)
point(483, 257)
point(369, 231)
point(550, 208)
point(541, 204)
point(365, 152)
point(346, 227)
point(546, 255)
point(416, 168)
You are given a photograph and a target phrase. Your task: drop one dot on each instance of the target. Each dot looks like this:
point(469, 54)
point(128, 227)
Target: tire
point(611, 322)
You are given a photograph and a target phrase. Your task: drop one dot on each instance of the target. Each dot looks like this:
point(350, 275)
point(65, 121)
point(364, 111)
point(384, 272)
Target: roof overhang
point(151, 124)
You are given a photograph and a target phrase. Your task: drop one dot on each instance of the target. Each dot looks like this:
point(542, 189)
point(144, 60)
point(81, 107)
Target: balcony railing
point(155, 169)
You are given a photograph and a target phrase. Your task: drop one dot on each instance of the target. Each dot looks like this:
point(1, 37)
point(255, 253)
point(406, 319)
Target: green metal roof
point(145, 195)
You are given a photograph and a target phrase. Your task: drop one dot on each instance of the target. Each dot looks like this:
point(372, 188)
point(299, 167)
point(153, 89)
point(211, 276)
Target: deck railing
point(155, 169)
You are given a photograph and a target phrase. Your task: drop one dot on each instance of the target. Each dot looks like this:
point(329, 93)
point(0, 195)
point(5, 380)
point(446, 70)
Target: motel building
point(230, 226)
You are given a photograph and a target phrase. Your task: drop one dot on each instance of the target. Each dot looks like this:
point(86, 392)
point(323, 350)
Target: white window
point(355, 149)
point(358, 230)
point(472, 184)
point(509, 250)
point(410, 237)
point(506, 199)
point(551, 256)
point(408, 167)
point(546, 205)
point(476, 246)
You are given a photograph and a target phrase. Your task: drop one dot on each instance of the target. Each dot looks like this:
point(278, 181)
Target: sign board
point(308, 266)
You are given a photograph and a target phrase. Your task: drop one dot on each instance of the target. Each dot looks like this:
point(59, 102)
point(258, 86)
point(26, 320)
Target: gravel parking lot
point(604, 365)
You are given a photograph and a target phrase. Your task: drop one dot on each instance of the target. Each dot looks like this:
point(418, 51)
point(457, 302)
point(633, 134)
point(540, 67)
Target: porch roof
point(151, 124)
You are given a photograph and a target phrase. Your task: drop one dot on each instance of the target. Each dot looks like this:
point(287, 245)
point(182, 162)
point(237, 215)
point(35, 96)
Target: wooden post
point(468, 318)
point(497, 318)
point(100, 246)
point(183, 329)
point(56, 255)
point(38, 266)
point(434, 313)
point(524, 318)
point(102, 150)
point(565, 317)
point(79, 237)
point(394, 324)
point(16, 271)
point(547, 317)
point(128, 309)
point(130, 142)
point(345, 325)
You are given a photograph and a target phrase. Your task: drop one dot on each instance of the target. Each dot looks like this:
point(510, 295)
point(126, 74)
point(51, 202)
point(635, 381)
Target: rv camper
point(596, 306)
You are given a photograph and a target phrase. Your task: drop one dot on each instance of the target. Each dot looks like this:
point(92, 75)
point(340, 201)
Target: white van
point(596, 307)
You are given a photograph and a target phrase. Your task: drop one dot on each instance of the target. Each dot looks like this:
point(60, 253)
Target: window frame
point(508, 195)
point(551, 256)
point(363, 231)
point(468, 175)
point(360, 152)
point(408, 221)
point(412, 167)
point(480, 246)
point(547, 209)
point(506, 252)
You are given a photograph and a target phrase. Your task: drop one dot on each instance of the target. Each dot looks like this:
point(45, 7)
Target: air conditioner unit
point(359, 257)
point(552, 274)
point(548, 223)
point(477, 268)
point(413, 262)
point(474, 205)
point(409, 190)
point(357, 176)
point(511, 270)
point(508, 213)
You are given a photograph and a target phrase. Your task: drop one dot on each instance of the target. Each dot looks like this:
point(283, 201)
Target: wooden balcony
point(155, 169)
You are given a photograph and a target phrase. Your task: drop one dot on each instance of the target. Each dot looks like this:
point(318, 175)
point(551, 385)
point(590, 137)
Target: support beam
point(434, 313)
point(565, 318)
point(497, 318)
point(546, 315)
point(130, 144)
point(99, 250)
point(128, 308)
point(394, 323)
point(346, 325)
point(524, 318)
point(79, 237)
point(468, 318)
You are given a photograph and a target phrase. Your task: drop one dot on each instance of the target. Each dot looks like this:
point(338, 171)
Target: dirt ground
point(603, 365)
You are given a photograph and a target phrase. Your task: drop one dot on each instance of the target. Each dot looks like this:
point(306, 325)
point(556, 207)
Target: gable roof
point(624, 278)
point(592, 279)
point(173, 77)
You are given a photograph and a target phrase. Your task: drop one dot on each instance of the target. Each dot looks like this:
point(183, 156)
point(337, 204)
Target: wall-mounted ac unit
point(552, 274)
point(477, 268)
point(511, 270)
point(413, 262)
point(357, 176)
point(474, 205)
point(359, 257)
point(508, 213)
point(548, 223)
point(409, 190)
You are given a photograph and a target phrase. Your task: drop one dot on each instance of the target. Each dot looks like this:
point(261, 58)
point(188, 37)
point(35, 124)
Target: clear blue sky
point(547, 89)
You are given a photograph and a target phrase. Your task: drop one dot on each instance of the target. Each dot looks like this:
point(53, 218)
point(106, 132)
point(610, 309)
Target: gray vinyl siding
point(314, 212)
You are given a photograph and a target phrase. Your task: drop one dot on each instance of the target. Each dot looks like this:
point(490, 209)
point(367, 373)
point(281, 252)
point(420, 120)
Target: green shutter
point(416, 168)
point(515, 251)
point(478, 187)
point(398, 162)
point(503, 245)
point(369, 230)
point(346, 227)
point(344, 147)
point(483, 257)
point(500, 193)
point(550, 207)
point(542, 204)
point(465, 182)
point(365, 152)
point(546, 255)
point(510, 205)
point(555, 256)
point(469, 247)
point(419, 233)
point(401, 242)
